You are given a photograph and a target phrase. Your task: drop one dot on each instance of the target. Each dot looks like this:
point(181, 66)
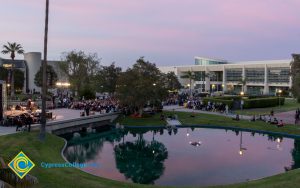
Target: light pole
point(190, 87)
point(279, 93)
point(242, 102)
point(241, 152)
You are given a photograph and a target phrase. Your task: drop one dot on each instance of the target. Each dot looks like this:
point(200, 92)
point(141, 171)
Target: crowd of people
point(103, 105)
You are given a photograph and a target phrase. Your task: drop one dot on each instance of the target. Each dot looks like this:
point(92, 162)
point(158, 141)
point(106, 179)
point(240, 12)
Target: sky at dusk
point(166, 32)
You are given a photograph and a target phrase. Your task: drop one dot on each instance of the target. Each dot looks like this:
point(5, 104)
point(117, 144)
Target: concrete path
point(177, 108)
point(7, 130)
point(286, 117)
point(173, 122)
point(61, 115)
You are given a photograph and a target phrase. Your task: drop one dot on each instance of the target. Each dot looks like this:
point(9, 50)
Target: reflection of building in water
point(296, 154)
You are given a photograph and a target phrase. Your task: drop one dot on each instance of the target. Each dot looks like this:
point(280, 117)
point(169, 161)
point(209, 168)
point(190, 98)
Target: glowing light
point(278, 140)
point(241, 152)
point(242, 93)
point(63, 84)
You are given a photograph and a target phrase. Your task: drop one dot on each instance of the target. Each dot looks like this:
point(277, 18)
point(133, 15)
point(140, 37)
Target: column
point(244, 78)
point(224, 80)
point(207, 80)
point(266, 86)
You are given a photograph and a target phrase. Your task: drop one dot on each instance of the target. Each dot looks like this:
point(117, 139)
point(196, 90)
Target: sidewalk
point(7, 130)
point(177, 108)
point(61, 114)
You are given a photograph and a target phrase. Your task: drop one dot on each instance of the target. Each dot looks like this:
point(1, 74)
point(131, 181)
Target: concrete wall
point(34, 62)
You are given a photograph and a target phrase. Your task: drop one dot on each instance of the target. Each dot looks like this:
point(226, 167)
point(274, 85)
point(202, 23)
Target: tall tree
point(172, 81)
point(80, 68)
point(141, 84)
point(243, 83)
point(19, 79)
point(106, 79)
point(51, 77)
point(191, 76)
point(18, 74)
point(42, 135)
point(295, 73)
point(12, 49)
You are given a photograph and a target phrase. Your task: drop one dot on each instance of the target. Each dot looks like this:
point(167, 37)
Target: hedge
point(217, 100)
point(263, 102)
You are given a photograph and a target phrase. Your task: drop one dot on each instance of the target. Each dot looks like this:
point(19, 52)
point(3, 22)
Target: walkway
point(61, 115)
point(286, 117)
point(177, 108)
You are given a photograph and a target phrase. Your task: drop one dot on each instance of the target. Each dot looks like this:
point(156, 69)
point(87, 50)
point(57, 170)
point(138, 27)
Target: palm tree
point(295, 73)
point(13, 49)
point(243, 82)
point(191, 76)
point(44, 88)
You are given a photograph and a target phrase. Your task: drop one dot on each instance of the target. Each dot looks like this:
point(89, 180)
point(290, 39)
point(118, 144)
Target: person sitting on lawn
point(237, 117)
point(253, 118)
point(280, 124)
point(275, 122)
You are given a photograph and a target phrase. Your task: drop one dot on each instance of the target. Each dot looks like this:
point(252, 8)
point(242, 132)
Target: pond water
point(184, 157)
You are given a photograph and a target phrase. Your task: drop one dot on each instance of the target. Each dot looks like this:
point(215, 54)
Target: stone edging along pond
point(221, 127)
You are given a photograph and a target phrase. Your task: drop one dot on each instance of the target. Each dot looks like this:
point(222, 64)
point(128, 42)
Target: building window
point(255, 90)
point(279, 75)
point(255, 75)
point(200, 76)
point(216, 76)
point(234, 75)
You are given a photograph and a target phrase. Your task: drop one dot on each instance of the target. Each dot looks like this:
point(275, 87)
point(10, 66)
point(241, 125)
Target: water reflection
point(165, 156)
point(296, 156)
point(141, 161)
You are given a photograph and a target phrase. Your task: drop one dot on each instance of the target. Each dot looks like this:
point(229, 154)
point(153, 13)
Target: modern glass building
point(251, 77)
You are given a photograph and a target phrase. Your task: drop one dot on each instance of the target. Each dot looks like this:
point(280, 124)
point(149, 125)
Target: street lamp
point(279, 93)
point(241, 151)
point(213, 87)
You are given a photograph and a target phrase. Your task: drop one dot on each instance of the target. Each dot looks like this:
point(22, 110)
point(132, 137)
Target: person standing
point(297, 115)
point(87, 109)
point(226, 109)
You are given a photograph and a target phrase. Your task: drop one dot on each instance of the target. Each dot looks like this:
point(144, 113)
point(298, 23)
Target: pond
point(184, 156)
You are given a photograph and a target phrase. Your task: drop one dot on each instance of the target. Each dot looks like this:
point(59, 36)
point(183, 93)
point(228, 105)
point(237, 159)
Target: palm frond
point(5, 51)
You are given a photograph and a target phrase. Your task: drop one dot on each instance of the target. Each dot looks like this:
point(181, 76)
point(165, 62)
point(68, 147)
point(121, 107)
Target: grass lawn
point(207, 119)
point(154, 120)
point(49, 151)
point(289, 105)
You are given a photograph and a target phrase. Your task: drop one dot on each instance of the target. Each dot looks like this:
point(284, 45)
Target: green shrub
point(87, 93)
point(217, 100)
point(263, 102)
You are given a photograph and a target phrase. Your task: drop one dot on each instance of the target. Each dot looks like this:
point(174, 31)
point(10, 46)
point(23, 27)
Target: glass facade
point(234, 75)
point(216, 76)
point(207, 62)
point(256, 75)
point(255, 90)
point(278, 75)
point(200, 75)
